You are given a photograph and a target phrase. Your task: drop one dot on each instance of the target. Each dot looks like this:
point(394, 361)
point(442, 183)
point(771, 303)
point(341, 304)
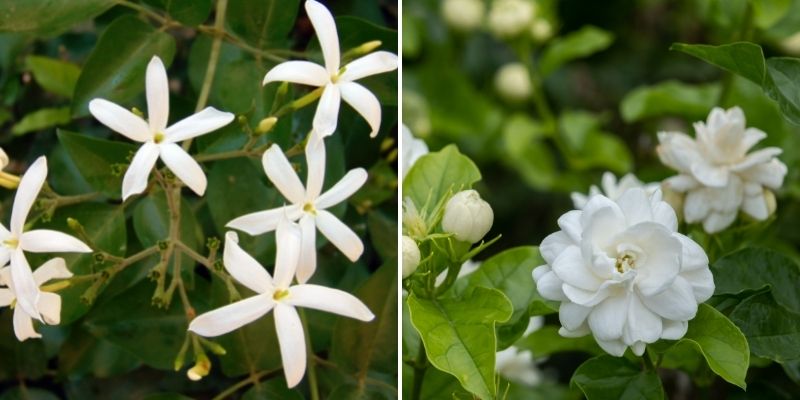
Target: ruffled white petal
point(184, 167)
point(135, 180)
point(157, 88)
point(302, 72)
point(340, 235)
point(364, 102)
point(231, 317)
point(243, 267)
point(349, 184)
point(207, 120)
point(330, 300)
point(120, 120)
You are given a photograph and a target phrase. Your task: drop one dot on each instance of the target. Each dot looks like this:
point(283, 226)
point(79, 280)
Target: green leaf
point(41, 119)
point(151, 223)
point(668, 99)
point(546, 341)
point(590, 147)
point(372, 346)
point(772, 331)
point(755, 269)
point(187, 12)
point(26, 393)
point(459, 335)
point(581, 43)
point(116, 67)
point(783, 85)
point(437, 173)
point(49, 17)
point(264, 24)
point(272, 389)
point(526, 151)
point(607, 377)
point(768, 12)
point(83, 354)
point(95, 159)
point(53, 75)
point(741, 58)
point(383, 234)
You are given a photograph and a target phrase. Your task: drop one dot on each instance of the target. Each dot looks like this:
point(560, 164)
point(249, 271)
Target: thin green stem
point(252, 379)
point(312, 364)
point(420, 367)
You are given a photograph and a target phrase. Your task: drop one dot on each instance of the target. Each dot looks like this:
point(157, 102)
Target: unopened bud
point(463, 15)
point(411, 256)
point(266, 125)
point(215, 347)
point(467, 216)
point(508, 18)
point(201, 368)
point(513, 82)
point(74, 224)
point(137, 112)
point(769, 198)
point(541, 30)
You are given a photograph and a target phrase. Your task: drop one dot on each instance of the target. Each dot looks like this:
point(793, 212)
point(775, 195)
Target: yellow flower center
point(626, 261)
point(280, 294)
point(11, 242)
point(159, 137)
point(309, 208)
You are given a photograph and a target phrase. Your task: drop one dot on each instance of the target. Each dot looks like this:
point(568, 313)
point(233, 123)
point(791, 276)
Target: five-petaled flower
point(623, 273)
point(158, 139)
point(717, 174)
point(308, 205)
point(49, 304)
point(338, 82)
point(277, 292)
point(14, 241)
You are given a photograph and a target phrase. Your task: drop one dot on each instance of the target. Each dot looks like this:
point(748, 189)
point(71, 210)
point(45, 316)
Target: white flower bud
point(411, 256)
point(508, 18)
point(772, 204)
point(463, 15)
point(541, 30)
point(513, 82)
point(467, 216)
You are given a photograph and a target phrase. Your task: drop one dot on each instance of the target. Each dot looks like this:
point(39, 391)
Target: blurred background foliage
point(113, 344)
point(602, 82)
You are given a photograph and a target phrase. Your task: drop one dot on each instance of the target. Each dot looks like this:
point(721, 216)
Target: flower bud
point(467, 216)
point(772, 204)
point(508, 18)
point(513, 82)
point(463, 15)
point(266, 125)
point(411, 256)
point(541, 30)
point(201, 368)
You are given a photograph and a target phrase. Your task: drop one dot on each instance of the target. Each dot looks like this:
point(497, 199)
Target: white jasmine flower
point(411, 256)
point(276, 292)
point(717, 174)
point(3, 159)
point(413, 149)
point(463, 15)
point(158, 139)
point(307, 205)
point(513, 82)
point(467, 216)
point(14, 241)
point(613, 189)
point(49, 304)
point(518, 365)
point(623, 273)
point(339, 83)
point(508, 18)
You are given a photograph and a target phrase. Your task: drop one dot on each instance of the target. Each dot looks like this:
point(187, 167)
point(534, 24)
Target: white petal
point(697, 205)
point(315, 160)
point(642, 324)
point(330, 300)
point(677, 150)
point(588, 298)
point(665, 215)
point(710, 175)
point(49, 306)
point(264, 221)
point(693, 256)
point(287, 245)
point(663, 255)
point(681, 183)
point(327, 114)
point(349, 184)
point(340, 235)
point(547, 284)
point(3, 159)
point(614, 347)
point(571, 268)
point(120, 120)
point(55, 268)
point(756, 206)
point(207, 120)
point(325, 27)
point(231, 317)
point(292, 343)
point(27, 191)
point(371, 64)
point(570, 223)
point(157, 88)
point(5, 254)
point(553, 245)
point(638, 348)
point(184, 167)
point(282, 175)
point(308, 251)
point(751, 137)
point(769, 174)
point(243, 267)
point(674, 330)
point(677, 302)
point(583, 330)
point(48, 241)
point(6, 297)
point(607, 319)
point(757, 157)
point(24, 285)
point(135, 180)
point(572, 316)
point(716, 222)
point(635, 204)
point(302, 72)
point(23, 326)
point(364, 102)
point(702, 282)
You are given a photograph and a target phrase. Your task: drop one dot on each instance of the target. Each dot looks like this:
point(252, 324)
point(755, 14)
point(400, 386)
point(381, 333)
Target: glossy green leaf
point(264, 24)
point(437, 173)
point(772, 331)
point(42, 119)
point(546, 341)
point(741, 58)
point(151, 222)
point(97, 158)
point(607, 377)
point(527, 152)
point(671, 98)
point(116, 67)
point(459, 335)
point(49, 17)
point(187, 12)
point(53, 75)
point(755, 269)
point(783, 85)
point(581, 43)
point(83, 354)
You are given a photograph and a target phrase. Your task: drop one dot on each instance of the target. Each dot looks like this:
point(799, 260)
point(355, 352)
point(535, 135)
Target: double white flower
point(612, 188)
point(308, 205)
point(14, 242)
point(338, 82)
point(623, 273)
point(158, 139)
point(49, 304)
point(717, 174)
point(276, 292)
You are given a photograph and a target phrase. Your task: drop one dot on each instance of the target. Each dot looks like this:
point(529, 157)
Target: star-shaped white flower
point(338, 83)
point(49, 304)
point(279, 294)
point(158, 139)
point(15, 241)
point(308, 205)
